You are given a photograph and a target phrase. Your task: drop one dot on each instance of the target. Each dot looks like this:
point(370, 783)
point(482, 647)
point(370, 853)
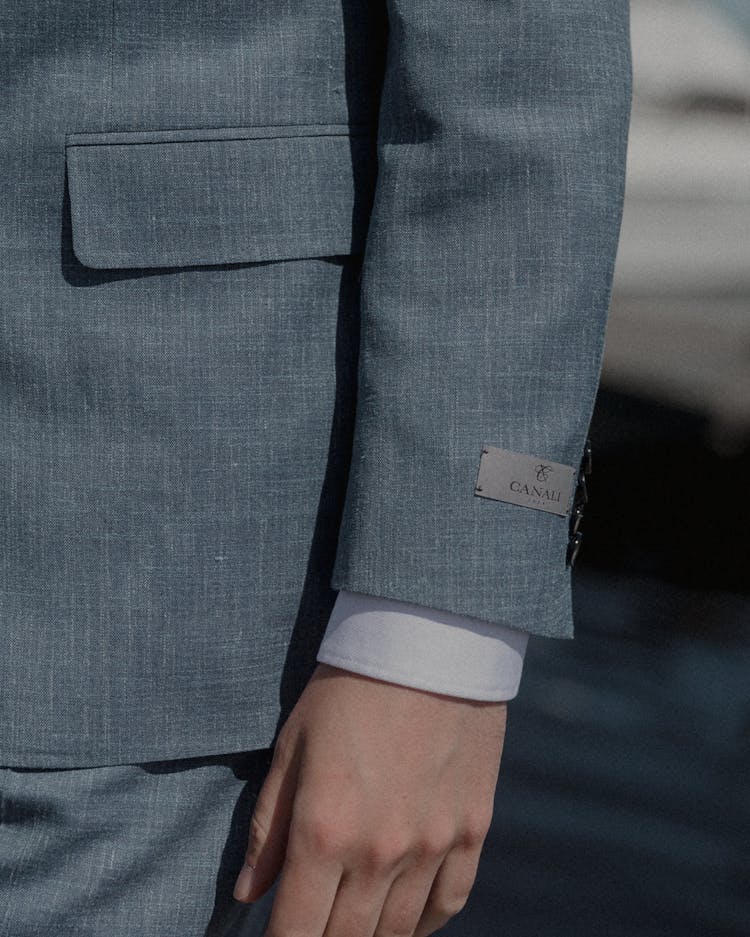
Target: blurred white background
point(679, 328)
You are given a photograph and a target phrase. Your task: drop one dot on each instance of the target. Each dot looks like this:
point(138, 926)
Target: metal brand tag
point(529, 480)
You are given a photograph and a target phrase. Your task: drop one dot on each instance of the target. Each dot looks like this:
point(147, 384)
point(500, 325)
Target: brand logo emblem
point(524, 479)
point(542, 472)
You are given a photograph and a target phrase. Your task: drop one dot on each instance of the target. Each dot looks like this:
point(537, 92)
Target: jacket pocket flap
point(236, 195)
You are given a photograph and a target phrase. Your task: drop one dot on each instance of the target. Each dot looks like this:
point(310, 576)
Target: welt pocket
point(174, 198)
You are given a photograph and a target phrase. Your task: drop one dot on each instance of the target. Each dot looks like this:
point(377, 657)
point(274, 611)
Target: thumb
point(269, 830)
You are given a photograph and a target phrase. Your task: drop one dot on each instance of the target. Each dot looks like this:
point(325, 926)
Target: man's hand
point(375, 809)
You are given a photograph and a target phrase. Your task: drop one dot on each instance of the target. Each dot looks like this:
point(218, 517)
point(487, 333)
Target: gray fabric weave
point(195, 448)
point(150, 849)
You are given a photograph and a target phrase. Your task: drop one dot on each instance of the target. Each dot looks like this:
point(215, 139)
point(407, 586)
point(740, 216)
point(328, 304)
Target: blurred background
point(623, 806)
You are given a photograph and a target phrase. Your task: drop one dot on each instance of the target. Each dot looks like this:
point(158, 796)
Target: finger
point(450, 890)
point(404, 904)
point(269, 830)
point(357, 905)
point(304, 898)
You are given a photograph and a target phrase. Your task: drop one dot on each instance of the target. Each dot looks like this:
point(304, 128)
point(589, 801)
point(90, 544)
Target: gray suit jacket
point(273, 274)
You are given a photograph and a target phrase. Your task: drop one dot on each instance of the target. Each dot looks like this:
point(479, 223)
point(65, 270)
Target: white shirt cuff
point(425, 648)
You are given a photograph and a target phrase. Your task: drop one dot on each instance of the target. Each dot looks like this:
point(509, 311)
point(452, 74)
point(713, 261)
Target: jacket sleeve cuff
point(424, 648)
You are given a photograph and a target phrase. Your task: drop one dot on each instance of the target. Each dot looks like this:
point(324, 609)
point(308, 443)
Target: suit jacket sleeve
point(485, 289)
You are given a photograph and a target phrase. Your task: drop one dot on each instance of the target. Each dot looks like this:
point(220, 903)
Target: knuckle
point(323, 836)
point(384, 853)
point(434, 844)
point(449, 905)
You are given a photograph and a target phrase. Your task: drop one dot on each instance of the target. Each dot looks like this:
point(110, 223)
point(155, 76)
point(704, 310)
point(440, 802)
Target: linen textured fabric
point(272, 275)
point(150, 849)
